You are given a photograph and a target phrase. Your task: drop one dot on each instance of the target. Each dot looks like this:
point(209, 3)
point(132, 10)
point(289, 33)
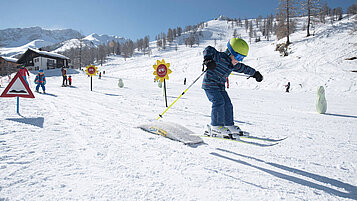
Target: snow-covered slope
point(77, 144)
point(313, 61)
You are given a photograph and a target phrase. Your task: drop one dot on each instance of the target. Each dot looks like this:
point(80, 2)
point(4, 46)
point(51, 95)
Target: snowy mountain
point(92, 40)
point(17, 40)
point(16, 37)
point(76, 144)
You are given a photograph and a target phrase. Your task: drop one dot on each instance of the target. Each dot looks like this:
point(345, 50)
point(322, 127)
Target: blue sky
point(130, 18)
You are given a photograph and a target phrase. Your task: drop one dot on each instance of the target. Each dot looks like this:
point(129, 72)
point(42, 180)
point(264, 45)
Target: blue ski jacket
point(216, 79)
point(40, 79)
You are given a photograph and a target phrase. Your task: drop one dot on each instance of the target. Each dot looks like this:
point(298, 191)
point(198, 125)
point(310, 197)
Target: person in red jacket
point(23, 71)
point(70, 80)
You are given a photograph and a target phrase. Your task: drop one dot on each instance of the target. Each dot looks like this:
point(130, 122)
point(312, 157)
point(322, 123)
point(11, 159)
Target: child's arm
point(242, 68)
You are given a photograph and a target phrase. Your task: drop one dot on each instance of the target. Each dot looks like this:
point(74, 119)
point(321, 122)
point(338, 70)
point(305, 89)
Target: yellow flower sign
point(162, 70)
point(91, 70)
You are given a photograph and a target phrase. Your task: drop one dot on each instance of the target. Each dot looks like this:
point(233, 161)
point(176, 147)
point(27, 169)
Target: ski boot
point(219, 131)
point(236, 131)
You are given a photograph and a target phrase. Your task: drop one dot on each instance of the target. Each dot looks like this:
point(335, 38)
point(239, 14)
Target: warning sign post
point(17, 88)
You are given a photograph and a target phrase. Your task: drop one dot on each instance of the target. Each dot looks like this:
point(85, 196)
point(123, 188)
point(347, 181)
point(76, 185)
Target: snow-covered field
point(77, 144)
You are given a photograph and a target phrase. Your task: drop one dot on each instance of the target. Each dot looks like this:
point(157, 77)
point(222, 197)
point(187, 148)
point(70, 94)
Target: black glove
point(258, 77)
point(211, 65)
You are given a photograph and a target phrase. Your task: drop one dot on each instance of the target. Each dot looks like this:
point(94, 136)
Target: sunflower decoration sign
point(91, 70)
point(162, 71)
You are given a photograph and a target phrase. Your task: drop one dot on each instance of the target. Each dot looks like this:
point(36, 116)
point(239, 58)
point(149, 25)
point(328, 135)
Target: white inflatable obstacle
point(120, 83)
point(172, 131)
point(321, 103)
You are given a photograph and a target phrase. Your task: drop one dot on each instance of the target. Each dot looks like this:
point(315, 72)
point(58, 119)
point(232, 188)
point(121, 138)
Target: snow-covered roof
point(49, 53)
point(14, 60)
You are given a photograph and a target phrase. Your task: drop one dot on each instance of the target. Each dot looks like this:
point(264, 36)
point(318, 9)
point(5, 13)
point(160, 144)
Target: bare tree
point(158, 41)
point(235, 34)
point(310, 7)
point(339, 13)
point(246, 23)
point(240, 22)
point(352, 10)
point(259, 21)
point(140, 44)
point(250, 30)
point(179, 31)
point(287, 10)
point(163, 36)
point(101, 54)
point(117, 48)
point(146, 43)
point(170, 35)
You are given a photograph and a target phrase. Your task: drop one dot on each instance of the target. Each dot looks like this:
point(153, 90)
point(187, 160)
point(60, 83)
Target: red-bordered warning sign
point(18, 88)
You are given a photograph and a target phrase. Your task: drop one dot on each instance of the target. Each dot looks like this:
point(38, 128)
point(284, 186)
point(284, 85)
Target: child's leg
point(43, 87)
point(217, 113)
point(228, 109)
point(37, 87)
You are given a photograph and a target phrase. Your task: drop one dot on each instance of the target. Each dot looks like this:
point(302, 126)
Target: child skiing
point(40, 80)
point(219, 67)
point(70, 80)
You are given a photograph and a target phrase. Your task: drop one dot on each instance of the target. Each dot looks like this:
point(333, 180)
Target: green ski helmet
point(238, 48)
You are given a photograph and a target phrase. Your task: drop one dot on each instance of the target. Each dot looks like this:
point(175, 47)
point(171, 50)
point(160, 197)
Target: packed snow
point(76, 144)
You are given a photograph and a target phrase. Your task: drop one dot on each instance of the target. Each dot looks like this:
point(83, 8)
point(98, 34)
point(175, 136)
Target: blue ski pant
point(222, 108)
point(42, 86)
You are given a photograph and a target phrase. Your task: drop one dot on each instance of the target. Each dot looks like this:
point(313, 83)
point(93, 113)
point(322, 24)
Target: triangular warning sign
point(18, 87)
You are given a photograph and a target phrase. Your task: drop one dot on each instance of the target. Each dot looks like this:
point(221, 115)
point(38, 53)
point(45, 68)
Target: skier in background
point(23, 71)
point(287, 87)
point(40, 80)
point(100, 75)
point(64, 75)
point(219, 67)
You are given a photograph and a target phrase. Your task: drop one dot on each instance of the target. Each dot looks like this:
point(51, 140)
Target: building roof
point(51, 54)
point(41, 53)
point(13, 60)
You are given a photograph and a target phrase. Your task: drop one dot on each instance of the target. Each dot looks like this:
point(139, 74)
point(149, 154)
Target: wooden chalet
point(7, 65)
point(34, 59)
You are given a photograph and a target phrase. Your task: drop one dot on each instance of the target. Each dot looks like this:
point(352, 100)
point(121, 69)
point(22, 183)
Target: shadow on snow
point(38, 121)
point(351, 190)
point(341, 115)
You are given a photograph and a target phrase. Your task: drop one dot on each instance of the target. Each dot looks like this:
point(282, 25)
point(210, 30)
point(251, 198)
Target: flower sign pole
point(91, 70)
point(161, 71)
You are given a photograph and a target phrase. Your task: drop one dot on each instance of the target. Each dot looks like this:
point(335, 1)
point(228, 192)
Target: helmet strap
point(228, 52)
